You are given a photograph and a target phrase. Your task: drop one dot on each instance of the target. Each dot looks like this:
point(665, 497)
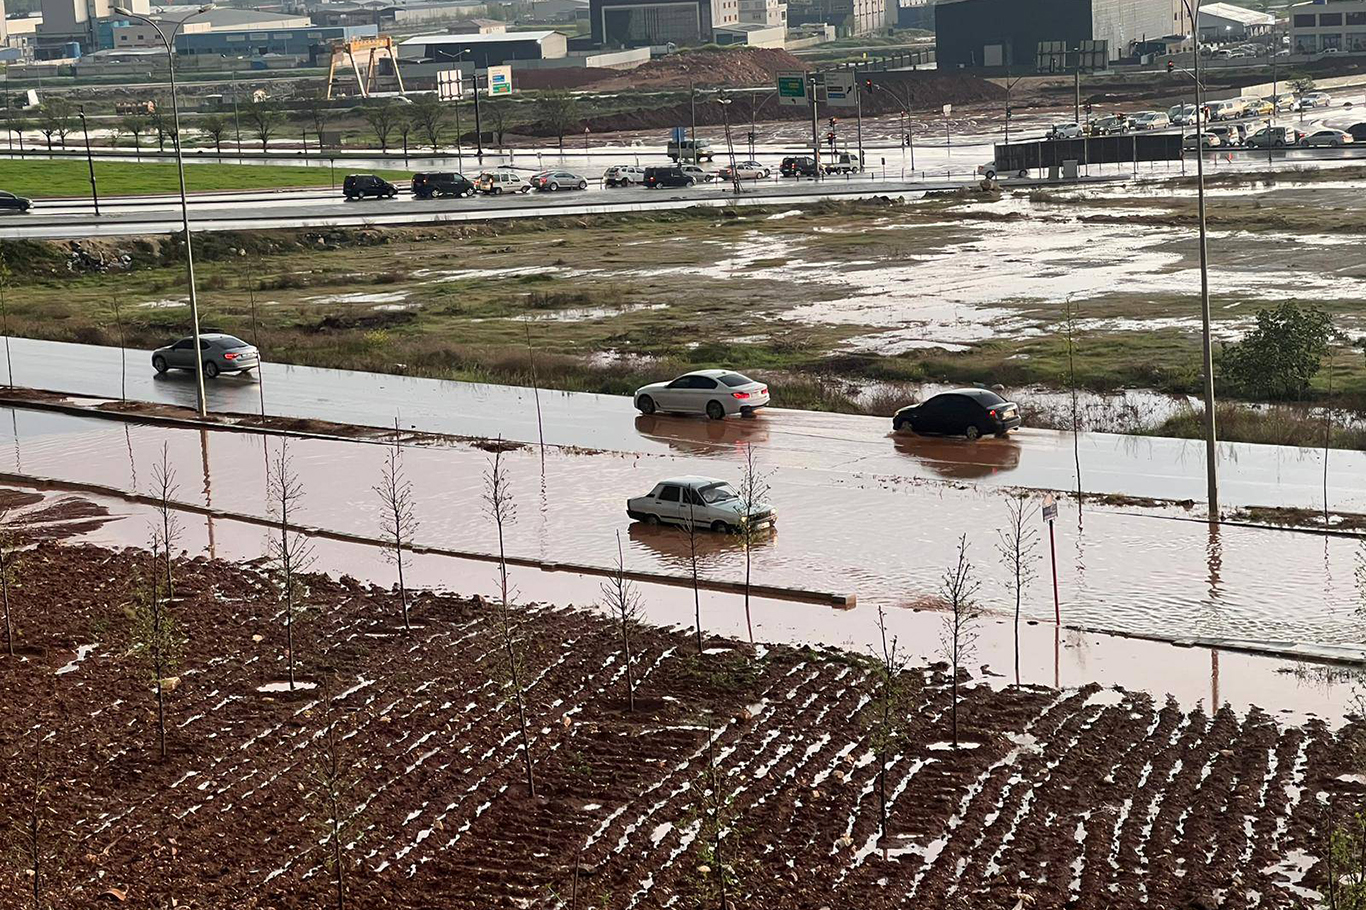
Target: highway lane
point(858, 449)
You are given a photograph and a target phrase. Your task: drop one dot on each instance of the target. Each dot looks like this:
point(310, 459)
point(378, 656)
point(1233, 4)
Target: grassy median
point(44, 179)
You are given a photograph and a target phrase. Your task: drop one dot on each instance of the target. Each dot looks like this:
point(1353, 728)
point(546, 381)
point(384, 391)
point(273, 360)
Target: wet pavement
point(887, 542)
point(842, 448)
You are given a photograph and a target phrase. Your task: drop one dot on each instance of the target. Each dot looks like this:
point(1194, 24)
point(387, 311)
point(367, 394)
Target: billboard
point(500, 81)
point(841, 89)
point(450, 85)
point(792, 88)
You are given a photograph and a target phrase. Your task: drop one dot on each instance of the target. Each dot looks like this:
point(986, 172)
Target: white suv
point(498, 182)
point(623, 175)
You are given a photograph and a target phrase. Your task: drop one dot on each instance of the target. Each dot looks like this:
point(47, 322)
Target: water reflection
point(700, 436)
point(1214, 559)
point(959, 459)
point(671, 547)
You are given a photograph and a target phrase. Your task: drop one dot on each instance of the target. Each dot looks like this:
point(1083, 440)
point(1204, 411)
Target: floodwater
point(1049, 655)
point(887, 540)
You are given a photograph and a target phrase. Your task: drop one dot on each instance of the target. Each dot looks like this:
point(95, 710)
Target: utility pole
point(811, 83)
point(692, 133)
point(90, 160)
point(858, 99)
point(478, 130)
point(1211, 436)
point(1275, 106)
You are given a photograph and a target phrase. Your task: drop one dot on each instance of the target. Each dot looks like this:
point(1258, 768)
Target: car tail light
point(992, 412)
point(739, 394)
point(230, 356)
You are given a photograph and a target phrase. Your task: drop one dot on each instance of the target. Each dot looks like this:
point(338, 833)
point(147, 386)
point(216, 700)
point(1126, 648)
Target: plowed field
point(1089, 798)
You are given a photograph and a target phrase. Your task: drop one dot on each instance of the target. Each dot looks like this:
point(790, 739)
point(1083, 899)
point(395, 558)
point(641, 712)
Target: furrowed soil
point(1083, 798)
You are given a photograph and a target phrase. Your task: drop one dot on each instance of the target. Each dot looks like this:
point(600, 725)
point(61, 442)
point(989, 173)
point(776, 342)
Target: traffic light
point(1171, 66)
point(867, 85)
point(830, 138)
point(833, 121)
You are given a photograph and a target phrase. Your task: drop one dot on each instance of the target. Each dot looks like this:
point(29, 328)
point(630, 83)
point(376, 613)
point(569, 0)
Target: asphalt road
point(859, 449)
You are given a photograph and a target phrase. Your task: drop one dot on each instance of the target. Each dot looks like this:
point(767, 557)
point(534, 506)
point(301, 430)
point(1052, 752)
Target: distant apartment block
point(640, 23)
point(1336, 25)
point(850, 17)
point(768, 13)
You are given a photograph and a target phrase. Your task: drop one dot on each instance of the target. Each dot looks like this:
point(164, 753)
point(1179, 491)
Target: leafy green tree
point(263, 120)
point(1279, 357)
point(383, 119)
point(135, 127)
point(57, 116)
point(215, 127)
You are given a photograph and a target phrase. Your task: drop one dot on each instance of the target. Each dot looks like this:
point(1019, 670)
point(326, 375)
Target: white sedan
point(703, 502)
point(1326, 139)
point(746, 170)
point(716, 393)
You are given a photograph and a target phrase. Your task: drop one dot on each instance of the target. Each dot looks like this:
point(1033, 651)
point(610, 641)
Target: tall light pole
point(236, 123)
point(1211, 436)
point(90, 161)
point(201, 402)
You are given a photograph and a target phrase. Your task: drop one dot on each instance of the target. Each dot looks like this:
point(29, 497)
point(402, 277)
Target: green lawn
point(39, 179)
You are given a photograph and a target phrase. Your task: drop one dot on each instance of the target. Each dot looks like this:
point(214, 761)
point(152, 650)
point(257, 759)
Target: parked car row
point(428, 185)
point(709, 503)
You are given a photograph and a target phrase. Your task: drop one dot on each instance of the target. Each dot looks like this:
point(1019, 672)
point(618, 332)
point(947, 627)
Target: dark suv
point(668, 176)
point(358, 186)
point(441, 183)
point(798, 167)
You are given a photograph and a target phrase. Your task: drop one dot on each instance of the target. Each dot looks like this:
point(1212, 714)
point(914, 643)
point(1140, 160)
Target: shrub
point(1281, 355)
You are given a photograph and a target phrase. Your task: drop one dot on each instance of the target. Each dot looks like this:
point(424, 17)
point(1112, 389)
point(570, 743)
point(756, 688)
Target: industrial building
point(767, 13)
point(309, 41)
point(393, 15)
point(85, 23)
point(641, 23)
point(1226, 22)
point(1336, 25)
point(140, 34)
point(849, 17)
point(1001, 33)
point(483, 50)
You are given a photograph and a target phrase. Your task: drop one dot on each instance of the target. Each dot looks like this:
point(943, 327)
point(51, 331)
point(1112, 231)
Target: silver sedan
point(219, 354)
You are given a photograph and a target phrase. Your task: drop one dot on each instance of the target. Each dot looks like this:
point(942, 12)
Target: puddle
point(380, 297)
point(167, 303)
point(284, 686)
point(82, 651)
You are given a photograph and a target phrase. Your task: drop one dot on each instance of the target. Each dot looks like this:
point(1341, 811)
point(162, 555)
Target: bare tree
point(428, 114)
point(397, 519)
point(290, 551)
point(8, 564)
point(5, 276)
point(753, 495)
point(622, 598)
point(263, 120)
point(116, 299)
point(1070, 319)
point(383, 119)
point(32, 819)
point(558, 111)
point(496, 114)
point(690, 529)
point(162, 125)
point(502, 508)
point(888, 710)
point(1018, 546)
point(56, 116)
point(166, 530)
point(958, 638)
point(314, 109)
point(215, 127)
point(135, 126)
point(332, 792)
point(156, 637)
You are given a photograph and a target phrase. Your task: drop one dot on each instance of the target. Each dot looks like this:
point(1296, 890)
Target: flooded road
point(886, 541)
point(843, 448)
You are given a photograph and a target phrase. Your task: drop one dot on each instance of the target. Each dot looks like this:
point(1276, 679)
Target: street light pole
point(1211, 436)
point(90, 160)
point(201, 402)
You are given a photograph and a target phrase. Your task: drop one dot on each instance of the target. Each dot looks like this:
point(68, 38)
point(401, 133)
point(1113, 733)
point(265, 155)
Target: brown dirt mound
point(563, 78)
point(740, 66)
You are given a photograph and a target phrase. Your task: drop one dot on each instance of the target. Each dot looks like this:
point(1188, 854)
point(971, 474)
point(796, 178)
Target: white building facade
point(1338, 25)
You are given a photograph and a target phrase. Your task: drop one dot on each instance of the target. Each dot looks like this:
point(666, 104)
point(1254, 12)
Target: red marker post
point(1050, 514)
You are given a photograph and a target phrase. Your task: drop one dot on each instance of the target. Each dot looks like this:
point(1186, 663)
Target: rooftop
point(222, 17)
point(497, 38)
point(1237, 14)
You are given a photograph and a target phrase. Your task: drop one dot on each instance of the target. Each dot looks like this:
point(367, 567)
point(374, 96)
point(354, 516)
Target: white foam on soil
point(284, 686)
point(82, 651)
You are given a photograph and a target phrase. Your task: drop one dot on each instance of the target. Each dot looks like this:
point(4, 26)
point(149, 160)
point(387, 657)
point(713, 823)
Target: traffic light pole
point(858, 98)
point(815, 125)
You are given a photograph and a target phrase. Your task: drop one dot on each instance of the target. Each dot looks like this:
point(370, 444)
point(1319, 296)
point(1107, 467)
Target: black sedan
point(12, 203)
point(962, 412)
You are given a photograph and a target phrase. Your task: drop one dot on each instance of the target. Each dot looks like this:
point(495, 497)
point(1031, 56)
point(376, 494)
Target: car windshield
point(717, 492)
point(735, 380)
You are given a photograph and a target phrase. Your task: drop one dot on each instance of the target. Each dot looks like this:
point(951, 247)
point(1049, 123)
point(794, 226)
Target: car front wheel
point(715, 411)
point(645, 404)
point(159, 364)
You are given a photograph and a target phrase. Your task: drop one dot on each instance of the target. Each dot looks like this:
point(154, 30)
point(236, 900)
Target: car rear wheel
point(645, 404)
point(497, 191)
point(554, 187)
point(1023, 173)
point(210, 369)
point(715, 411)
point(159, 364)
point(972, 433)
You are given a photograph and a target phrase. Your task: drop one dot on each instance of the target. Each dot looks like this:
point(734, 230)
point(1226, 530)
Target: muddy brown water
point(883, 538)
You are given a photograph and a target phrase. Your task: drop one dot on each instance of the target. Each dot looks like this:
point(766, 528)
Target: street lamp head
point(123, 11)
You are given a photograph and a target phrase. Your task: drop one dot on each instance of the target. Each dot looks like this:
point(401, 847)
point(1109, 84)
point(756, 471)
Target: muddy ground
point(1090, 798)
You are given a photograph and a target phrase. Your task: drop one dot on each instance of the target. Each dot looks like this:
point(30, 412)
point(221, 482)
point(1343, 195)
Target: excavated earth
point(1079, 798)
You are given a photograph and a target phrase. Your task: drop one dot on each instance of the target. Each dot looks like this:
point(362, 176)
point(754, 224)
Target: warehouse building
point(643, 23)
point(140, 34)
point(310, 42)
point(1337, 25)
point(998, 33)
point(1226, 22)
point(484, 50)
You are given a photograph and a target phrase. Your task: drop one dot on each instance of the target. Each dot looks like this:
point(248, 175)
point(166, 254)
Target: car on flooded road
point(219, 353)
point(699, 502)
point(961, 412)
point(716, 393)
